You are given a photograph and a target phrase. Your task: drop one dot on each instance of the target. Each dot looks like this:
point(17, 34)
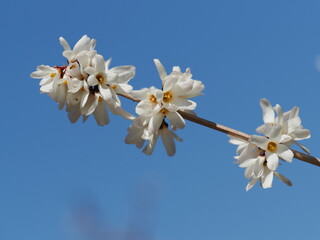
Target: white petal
point(74, 113)
point(283, 178)
point(101, 114)
point(272, 161)
point(284, 152)
point(267, 178)
point(258, 167)
point(304, 148)
point(64, 43)
point(155, 122)
point(92, 80)
point(100, 64)
point(248, 162)
point(279, 112)
point(275, 133)
point(151, 144)
point(176, 120)
point(124, 73)
point(268, 112)
point(105, 93)
point(90, 105)
point(160, 68)
point(168, 141)
point(252, 182)
point(300, 134)
point(260, 141)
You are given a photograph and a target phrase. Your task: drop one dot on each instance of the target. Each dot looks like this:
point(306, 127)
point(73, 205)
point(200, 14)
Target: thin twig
point(201, 121)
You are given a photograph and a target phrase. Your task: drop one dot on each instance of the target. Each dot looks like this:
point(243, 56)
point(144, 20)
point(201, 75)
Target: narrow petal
point(258, 167)
point(252, 182)
point(64, 44)
point(168, 141)
point(160, 68)
point(74, 113)
point(268, 112)
point(101, 114)
point(275, 133)
point(284, 152)
point(272, 161)
point(300, 134)
point(100, 64)
point(267, 178)
point(304, 148)
point(283, 178)
point(155, 122)
point(151, 145)
point(260, 141)
point(176, 120)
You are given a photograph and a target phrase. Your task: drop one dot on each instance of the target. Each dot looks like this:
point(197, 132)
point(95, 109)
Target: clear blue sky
point(53, 172)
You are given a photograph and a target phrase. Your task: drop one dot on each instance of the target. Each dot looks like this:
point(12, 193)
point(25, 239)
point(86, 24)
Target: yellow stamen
point(53, 75)
point(163, 111)
point(167, 96)
point(100, 99)
point(153, 98)
point(73, 66)
point(100, 78)
point(272, 147)
point(114, 87)
point(65, 83)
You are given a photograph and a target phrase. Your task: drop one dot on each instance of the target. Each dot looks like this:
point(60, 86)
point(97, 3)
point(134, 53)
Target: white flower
point(255, 162)
point(273, 146)
point(138, 134)
point(85, 44)
point(157, 105)
point(86, 85)
point(53, 82)
point(178, 87)
point(290, 122)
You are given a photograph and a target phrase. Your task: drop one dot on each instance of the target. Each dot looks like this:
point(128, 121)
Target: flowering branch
point(235, 133)
point(88, 86)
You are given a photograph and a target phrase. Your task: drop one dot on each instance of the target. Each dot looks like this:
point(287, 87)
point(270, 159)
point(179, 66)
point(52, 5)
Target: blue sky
point(54, 173)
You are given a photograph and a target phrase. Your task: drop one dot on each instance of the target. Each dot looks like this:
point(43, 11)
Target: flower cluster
point(157, 105)
point(86, 85)
point(260, 154)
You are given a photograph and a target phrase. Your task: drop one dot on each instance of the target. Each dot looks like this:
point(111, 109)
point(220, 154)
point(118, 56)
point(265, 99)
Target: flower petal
point(284, 152)
point(267, 178)
point(260, 141)
point(168, 141)
point(272, 161)
point(160, 68)
point(252, 182)
point(283, 178)
point(268, 112)
point(176, 120)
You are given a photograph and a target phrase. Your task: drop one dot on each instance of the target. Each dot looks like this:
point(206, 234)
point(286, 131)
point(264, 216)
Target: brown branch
point(201, 121)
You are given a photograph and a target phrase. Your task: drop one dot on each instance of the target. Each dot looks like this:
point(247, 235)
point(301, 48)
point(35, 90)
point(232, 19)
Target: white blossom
point(157, 105)
point(86, 85)
point(290, 122)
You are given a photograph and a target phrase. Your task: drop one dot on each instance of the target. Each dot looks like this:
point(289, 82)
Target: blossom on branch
point(86, 85)
point(157, 105)
point(260, 155)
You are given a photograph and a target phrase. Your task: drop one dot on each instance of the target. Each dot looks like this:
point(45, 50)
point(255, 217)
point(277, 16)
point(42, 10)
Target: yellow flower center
point(53, 75)
point(100, 78)
point(272, 147)
point(163, 111)
point(100, 99)
point(167, 96)
point(114, 87)
point(153, 98)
